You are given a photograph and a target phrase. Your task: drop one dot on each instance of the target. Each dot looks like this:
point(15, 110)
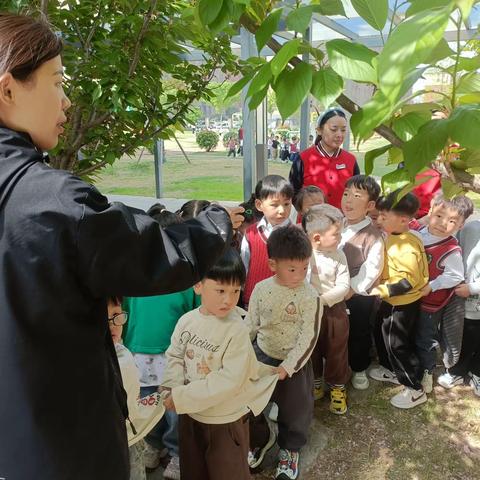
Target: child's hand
point(462, 290)
point(163, 389)
point(236, 216)
point(427, 289)
point(282, 373)
point(168, 403)
point(374, 292)
point(350, 294)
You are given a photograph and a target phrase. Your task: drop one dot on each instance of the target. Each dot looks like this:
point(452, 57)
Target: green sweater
point(151, 320)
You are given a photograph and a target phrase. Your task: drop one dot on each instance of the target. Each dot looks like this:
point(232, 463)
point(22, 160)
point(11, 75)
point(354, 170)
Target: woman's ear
point(6, 94)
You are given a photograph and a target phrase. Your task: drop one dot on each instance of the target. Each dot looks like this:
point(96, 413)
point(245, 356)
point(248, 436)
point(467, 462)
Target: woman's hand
point(168, 403)
point(462, 290)
point(236, 216)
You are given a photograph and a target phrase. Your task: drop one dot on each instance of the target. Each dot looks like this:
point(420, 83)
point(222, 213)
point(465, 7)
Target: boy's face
point(218, 298)
point(289, 273)
point(444, 221)
point(376, 216)
point(115, 330)
point(310, 200)
point(328, 240)
point(394, 222)
point(276, 208)
point(356, 204)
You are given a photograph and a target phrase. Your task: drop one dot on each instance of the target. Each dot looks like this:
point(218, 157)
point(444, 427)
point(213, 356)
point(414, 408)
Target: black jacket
point(63, 250)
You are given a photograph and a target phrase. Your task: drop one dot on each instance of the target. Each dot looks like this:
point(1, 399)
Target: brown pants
point(332, 345)
point(213, 451)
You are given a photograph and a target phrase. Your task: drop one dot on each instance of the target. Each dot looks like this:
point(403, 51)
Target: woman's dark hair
point(228, 269)
point(163, 216)
point(334, 112)
point(407, 205)
point(305, 192)
point(192, 208)
point(367, 183)
point(289, 243)
point(25, 44)
point(273, 185)
point(251, 214)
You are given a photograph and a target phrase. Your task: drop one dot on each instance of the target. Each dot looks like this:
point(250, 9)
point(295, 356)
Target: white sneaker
point(383, 374)
point(475, 384)
point(360, 380)
point(172, 472)
point(273, 413)
point(408, 398)
point(427, 382)
point(449, 381)
point(152, 456)
point(256, 456)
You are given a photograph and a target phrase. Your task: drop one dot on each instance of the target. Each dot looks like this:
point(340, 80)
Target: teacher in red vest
point(325, 164)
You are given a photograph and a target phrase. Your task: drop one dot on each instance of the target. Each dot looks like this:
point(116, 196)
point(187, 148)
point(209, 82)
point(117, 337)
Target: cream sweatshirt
point(213, 371)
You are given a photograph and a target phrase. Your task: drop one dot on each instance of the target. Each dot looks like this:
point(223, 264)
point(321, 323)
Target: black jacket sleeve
point(400, 288)
point(356, 169)
point(296, 174)
point(124, 252)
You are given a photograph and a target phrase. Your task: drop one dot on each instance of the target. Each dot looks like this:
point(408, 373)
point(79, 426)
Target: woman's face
point(38, 105)
point(333, 132)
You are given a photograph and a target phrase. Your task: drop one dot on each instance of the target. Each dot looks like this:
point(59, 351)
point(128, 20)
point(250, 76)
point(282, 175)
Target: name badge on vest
point(341, 166)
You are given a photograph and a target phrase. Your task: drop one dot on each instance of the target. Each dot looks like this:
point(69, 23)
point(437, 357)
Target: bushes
point(207, 140)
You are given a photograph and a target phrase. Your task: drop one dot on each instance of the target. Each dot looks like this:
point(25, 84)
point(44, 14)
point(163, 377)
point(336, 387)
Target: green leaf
point(407, 125)
point(441, 51)
point(409, 45)
point(450, 189)
point(237, 86)
point(420, 107)
point(97, 93)
point(292, 87)
point(261, 80)
point(422, 5)
point(257, 98)
point(464, 125)
point(299, 19)
point(395, 156)
point(329, 7)
point(410, 80)
point(326, 86)
point(352, 60)
point(288, 50)
point(465, 7)
point(424, 147)
point(208, 10)
point(469, 63)
point(394, 180)
point(372, 155)
point(469, 83)
point(469, 98)
point(267, 28)
point(374, 12)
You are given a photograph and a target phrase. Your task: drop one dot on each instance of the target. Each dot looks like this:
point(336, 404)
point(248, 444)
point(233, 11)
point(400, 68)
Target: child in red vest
point(445, 265)
point(273, 197)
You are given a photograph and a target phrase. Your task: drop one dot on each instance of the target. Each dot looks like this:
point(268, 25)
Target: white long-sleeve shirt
point(371, 270)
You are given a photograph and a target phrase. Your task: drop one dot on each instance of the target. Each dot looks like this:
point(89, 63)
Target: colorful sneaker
point(153, 456)
point(273, 413)
point(408, 398)
point(338, 400)
point(256, 456)
point(172, 472)
point(360, 380)
point(449, 381)
point(475, 384)
point(383, 374)
point(287, 468)
point(318, 390)
point(427, 382)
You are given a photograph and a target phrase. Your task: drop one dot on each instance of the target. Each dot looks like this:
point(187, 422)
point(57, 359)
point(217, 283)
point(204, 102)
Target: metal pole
point(305, 108)
point(159, 160)
point(261, 157)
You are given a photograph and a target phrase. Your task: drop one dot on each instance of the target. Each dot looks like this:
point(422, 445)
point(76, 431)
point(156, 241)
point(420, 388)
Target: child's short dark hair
point(192, 208)
point(380, 204)
point(289, 243)
point(228, 269)
point(461, 204)
point(251, 214)
point(305, 192)
point(367, 183)
point(407, 205)
point(164, 217)
point(273, 185)
point(320, 218)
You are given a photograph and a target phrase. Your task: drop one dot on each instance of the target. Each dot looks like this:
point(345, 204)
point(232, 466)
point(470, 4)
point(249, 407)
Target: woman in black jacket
point(64, 249)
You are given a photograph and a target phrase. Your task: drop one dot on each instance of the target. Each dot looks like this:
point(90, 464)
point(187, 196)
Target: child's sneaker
point(273, 413)
point(287, 468)
point(360, 380)
point(475, 384)
point(408, 398)
point(383, 374)
point(427, 382)
point(449, 381)
point(172, 472)
point(152, 456)
point(318, 391)
point(338, 400)
point(256, 456)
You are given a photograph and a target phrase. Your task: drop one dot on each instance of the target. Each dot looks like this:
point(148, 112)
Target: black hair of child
point(334, 112)
point(163, 216)
point(367, 183)
point(407, 205)
point(304, 192)
point(228, 269)
point(192, 208)
point(251, 214)
point(289, 243)
point(272, 186)
point(380, 204)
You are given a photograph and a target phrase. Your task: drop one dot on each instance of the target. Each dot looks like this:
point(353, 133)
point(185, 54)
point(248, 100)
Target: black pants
point(395, 342)
point(213, 451)
point(360, 334)
point(294, 397)
point(470, 355)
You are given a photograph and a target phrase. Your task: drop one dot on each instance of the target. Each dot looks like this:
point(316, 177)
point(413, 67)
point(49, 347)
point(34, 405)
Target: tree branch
point(44, 8)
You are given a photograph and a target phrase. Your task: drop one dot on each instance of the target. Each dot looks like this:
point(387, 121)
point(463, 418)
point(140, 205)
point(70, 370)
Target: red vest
point(327, 173)
point(436, 254)
point(258, 268)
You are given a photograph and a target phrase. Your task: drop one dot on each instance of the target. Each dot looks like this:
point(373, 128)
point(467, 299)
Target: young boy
point(215, 379)
point(469, 362)
point(329, 275)
point(362, 244)
point(284, 320)
point(404, 275)
point(439, 304)
point(273, 197)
